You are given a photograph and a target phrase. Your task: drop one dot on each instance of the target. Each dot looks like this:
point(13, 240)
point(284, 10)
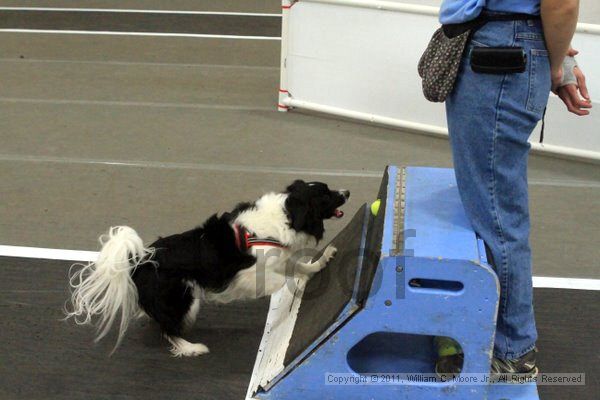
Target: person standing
point(490, 118)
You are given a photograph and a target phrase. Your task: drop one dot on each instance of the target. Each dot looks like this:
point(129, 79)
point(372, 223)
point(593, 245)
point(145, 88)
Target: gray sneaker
point(518, 369)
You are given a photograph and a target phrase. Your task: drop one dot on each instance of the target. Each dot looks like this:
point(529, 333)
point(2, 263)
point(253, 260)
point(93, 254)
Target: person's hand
point(576, 97)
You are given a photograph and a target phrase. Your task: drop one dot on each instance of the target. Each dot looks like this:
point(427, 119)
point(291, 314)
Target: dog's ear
point(297, 208)
point(302, 215)
point(297, 204)
point(297, 186)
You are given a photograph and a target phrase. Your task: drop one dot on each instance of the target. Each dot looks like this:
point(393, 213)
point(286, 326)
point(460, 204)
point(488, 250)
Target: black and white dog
point(216, 262)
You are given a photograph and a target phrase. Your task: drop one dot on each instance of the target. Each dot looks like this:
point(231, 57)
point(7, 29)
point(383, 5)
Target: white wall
point(365, 60)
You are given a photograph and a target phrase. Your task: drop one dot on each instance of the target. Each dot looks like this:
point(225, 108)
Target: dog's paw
point(189, 350)
point(329, 253)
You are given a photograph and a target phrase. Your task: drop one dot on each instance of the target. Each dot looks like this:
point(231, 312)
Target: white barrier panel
point(358, 59)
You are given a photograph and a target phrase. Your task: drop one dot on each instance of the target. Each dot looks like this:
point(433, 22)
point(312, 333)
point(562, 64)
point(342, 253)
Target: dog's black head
point(309, 203)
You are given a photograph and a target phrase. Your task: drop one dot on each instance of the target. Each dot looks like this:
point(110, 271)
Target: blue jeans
point(490, 118)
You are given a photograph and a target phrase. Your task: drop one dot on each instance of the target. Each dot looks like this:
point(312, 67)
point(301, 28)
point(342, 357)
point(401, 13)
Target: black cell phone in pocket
point(498, 60)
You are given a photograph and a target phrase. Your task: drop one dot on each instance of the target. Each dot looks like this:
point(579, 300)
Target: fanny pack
point(439, 64)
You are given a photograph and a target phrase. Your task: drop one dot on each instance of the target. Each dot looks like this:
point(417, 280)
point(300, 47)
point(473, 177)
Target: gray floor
point(253, 6)
point(125, 21)
point(46, 358)
point(98, 131)
point(196, 119)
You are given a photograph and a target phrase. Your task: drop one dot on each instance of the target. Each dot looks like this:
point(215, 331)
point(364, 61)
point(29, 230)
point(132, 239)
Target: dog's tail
point(105, 288)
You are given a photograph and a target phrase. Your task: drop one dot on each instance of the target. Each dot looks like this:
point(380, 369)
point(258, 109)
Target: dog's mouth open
point(342, 197)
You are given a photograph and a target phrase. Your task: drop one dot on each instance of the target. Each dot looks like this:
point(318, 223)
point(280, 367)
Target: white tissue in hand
point(568, 66)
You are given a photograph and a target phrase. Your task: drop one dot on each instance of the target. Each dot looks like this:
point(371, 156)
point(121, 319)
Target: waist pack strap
point(454, 30)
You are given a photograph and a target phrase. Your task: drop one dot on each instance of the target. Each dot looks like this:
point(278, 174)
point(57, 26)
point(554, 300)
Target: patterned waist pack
point(439, 64)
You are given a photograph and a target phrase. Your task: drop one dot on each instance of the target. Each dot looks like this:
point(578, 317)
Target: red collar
point(244, 240)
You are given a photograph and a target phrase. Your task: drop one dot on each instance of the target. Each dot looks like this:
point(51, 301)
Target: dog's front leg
point(312, 268)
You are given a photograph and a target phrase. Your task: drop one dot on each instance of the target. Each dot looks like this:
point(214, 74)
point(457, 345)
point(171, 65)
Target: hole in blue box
point(436, 284)
point(392, 352)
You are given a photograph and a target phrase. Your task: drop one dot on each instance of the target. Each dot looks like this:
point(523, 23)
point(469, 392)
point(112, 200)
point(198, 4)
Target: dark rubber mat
point(321, 308)
point(330, 290)
point(43, 357)
point(569, 340)
point(143, 22)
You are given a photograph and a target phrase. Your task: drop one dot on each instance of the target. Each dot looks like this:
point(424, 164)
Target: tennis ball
point(375, 207)
point(446, 346)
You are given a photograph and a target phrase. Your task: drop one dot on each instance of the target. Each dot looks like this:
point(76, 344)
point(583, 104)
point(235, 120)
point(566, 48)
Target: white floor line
point(566, 283)
point(161, 34)
point(250, 168)
point(138, 63)
point(137, 104)
point(138, 11)
point(571, 183)
point(197, 166)
point(47, 254)
point(85, 256)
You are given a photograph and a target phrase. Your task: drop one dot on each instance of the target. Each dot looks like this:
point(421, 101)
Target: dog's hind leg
point(179, 346)
point(192, 313)
point(173, 304)
point(183, 348)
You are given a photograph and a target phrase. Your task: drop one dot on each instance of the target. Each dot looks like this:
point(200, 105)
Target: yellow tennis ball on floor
point(375, 207)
